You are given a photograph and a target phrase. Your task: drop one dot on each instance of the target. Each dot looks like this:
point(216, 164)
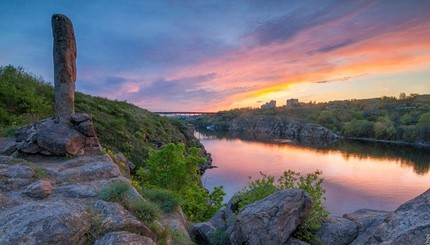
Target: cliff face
point(280, 127)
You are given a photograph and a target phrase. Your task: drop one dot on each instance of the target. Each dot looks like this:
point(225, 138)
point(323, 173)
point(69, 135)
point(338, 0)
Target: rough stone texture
point(60, 140)
point(15, 177)
point(78, 170)
point(202, 231)
point(77, 118)
point(338, 231)
point(219, 220)
point(124, 238)
point(64, 67)
point(273, 219)
point(177, 221)
point(44, 223)
point(367, 221)
point(40, 189)
point(116, 218)
point(294, 241)
point(409, 224)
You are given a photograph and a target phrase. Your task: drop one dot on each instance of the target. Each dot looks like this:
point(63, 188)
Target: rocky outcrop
point(280, 127)
point(409, 224)
point(268, 221)
point(50, 138)
point(54, 200)
point(273, 219)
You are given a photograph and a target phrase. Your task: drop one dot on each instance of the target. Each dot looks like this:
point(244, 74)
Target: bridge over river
point(184, 113)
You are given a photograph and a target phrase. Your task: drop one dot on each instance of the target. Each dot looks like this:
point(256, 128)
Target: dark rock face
point(367, 221)
point(273, 219)
point(281, 127)
point(64, 67)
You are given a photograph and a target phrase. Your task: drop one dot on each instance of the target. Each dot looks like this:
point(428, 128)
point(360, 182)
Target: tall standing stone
point(64, 67)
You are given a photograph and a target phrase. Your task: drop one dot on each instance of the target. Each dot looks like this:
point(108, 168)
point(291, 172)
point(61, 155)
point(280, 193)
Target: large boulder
point(409, 224)
point(60, 139)
point(273, 219)
point(44, 223)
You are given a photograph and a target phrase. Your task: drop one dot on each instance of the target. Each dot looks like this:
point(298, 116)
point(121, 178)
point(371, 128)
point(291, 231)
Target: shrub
point(166, 200)
point(311, 183)
point(114, 192)
point(144, 210)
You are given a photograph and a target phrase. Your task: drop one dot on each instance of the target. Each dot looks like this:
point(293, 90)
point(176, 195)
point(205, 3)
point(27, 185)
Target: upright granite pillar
point(64, 67)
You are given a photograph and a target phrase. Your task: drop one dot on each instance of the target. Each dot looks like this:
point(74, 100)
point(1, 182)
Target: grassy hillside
point(405, 119)
point(119, 125)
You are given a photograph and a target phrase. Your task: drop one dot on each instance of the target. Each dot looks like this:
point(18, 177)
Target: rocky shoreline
point(273, 219)
point(281, 127)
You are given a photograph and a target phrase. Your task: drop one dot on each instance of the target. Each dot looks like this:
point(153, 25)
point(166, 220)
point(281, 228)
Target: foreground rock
point(52, 200)
point(273, 219)
point(409, 224)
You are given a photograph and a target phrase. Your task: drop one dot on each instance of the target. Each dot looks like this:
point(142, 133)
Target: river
point(356, 174)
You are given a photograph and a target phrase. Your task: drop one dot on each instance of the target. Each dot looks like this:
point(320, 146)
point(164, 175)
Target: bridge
point(184, 113)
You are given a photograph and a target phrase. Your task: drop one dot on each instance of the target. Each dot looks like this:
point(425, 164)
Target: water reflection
point(357, 174)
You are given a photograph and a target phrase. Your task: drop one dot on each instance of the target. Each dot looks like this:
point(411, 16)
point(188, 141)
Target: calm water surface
point(357, 174)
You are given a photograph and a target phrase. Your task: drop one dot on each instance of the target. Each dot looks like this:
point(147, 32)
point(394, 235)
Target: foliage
point(114, 192)
point(176, 170)
point(143, 210)
point(168, 201)
point(311, 183)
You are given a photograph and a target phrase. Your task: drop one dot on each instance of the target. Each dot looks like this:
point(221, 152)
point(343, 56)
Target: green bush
point(114, 192)
point(311, 183)
point(175, 169)
point(144, 210)
point(168, 201)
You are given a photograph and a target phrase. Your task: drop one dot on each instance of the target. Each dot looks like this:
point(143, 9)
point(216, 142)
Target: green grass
point(144, 210)
point(166, 200)
point(114, 192)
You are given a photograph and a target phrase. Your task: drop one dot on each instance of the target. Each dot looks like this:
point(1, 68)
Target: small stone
point(77, 118)
point(40, 189)
point(86, 128)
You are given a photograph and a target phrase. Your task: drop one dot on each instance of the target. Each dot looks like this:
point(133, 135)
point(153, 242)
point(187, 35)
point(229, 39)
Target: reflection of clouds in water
point(363, 179)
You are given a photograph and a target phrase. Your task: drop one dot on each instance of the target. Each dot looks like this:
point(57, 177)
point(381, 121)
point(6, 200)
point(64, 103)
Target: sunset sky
point(216, 55)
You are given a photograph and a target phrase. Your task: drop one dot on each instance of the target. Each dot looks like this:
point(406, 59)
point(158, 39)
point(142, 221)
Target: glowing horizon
point(212, 56)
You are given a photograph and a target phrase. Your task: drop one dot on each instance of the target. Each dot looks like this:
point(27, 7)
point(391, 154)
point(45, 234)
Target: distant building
point(271, 104)
point(292, 102)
